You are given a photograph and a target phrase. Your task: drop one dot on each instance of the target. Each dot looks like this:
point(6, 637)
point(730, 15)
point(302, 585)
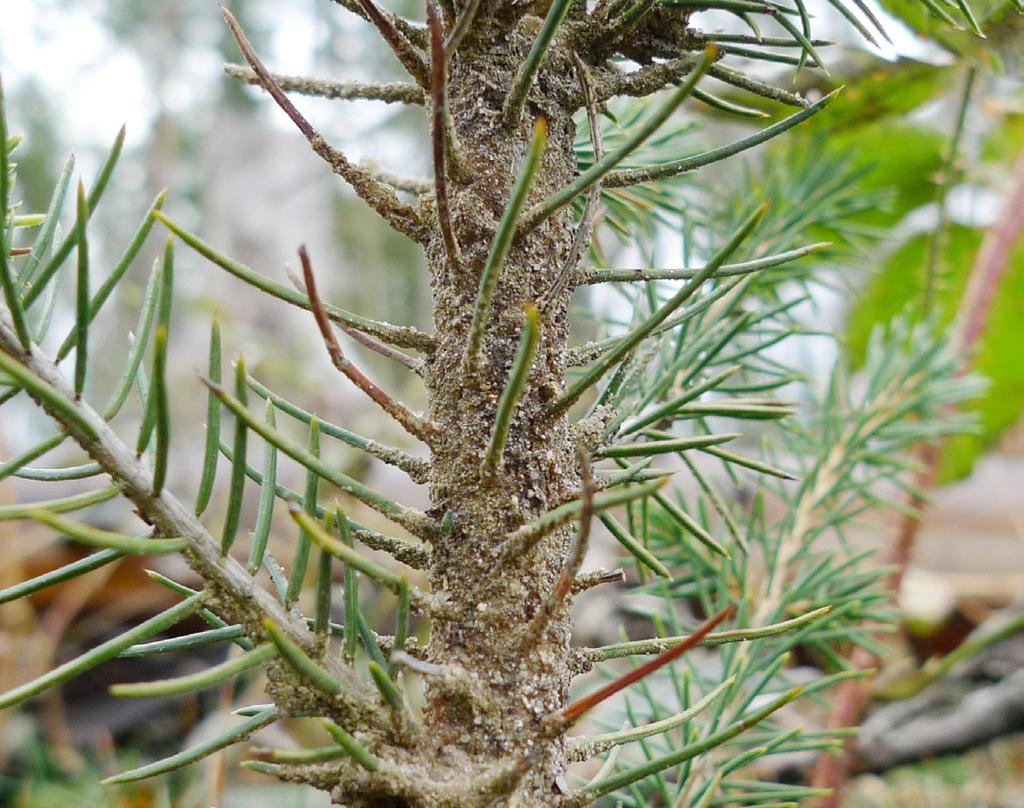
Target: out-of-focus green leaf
point(877, 89)
point(898, 288)
point(899, 285)
point(997, 358)
point(1003, 143)
point(902, 158)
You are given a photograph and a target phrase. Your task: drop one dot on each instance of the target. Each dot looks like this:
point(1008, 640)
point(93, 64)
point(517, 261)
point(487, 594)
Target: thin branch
point(602, 168)
point(398, 42)
point(598, 577)
point(638, 472)
point(645, 81)
point(400, 182)
point(402, 217)
point(769, 7)
point(462, 26)
point(744, 82)
point(418, 665)
point(391, 92)
point(763, 55)
point(414, 32)
point(534, 59)
point(412, 423)
point(619, 179)
point(658, 645)
point(595, 275)
point(665, 445)
point(581, 239)
point(378, 347)
point(765, 41)
point(438, 134)
point(564, 585)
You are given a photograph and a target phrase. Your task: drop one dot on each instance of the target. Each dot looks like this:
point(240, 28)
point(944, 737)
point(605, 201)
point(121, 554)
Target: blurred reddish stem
point(990, 265)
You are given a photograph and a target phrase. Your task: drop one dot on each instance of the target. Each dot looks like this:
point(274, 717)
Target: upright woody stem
point(493, 602)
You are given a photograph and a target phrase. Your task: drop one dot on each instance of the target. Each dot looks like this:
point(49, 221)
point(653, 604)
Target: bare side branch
point(438, 134)
point(645, 81)
point(375, 345)
point(412, 423)
point(400, 182)
point(619, 179)
point(565, 584)
point(414, 32)
point(398, 42)
point(581, 239)
point(384, 350)
point(598, 577)
point(391, 92)
point(463, 25)
point(402, 217)
point(744, 82)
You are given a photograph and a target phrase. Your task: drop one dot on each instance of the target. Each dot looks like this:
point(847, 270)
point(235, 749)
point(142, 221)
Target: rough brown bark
point(517, 679)
point(483, 720)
